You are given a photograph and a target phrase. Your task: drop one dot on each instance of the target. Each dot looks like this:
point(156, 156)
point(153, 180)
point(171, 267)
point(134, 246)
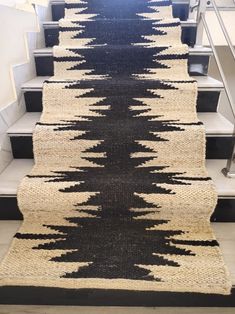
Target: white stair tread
point(214, 122)
point(43, 51)
point(225, 235)
point(26, 124)
point(18, 168)
point(13, 174)
point(224, 186)
point(202, 50)
point(204, 82)
point(35, 83)
point(197, 50)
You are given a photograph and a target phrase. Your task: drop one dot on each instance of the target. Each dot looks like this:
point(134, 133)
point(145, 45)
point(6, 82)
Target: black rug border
point(31, 295)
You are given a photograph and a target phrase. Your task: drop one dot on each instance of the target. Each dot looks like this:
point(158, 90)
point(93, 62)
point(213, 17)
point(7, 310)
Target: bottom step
point(99, 297)
point(18, 168)
point(225, 234)
point(55, 296)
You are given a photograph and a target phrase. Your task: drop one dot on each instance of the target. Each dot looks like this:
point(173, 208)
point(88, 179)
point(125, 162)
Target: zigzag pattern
point(119, 197)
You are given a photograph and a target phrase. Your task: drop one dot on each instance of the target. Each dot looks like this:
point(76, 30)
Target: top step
point(180, 9)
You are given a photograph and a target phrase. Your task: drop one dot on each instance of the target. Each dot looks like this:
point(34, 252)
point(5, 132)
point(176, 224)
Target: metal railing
point(201, 6)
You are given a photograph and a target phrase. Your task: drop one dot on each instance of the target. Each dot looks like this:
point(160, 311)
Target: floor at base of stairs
point(33, 309)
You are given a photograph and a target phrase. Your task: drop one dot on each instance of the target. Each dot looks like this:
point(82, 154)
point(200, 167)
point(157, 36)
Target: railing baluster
point(229, 171)
point(192, 5)
point(201, 9)
point(201, 5)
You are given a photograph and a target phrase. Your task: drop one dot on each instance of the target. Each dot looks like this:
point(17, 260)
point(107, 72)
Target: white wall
point(20, 37)
point(14, 48)
point(20, 33)
point(25, 5)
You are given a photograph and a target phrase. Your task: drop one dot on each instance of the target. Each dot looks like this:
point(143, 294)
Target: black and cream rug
point(119, 197)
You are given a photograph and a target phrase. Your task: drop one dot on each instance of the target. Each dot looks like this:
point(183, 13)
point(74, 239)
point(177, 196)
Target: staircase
point(219, 147)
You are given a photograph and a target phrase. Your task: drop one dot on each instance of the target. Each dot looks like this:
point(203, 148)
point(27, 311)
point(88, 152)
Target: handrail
point(229, 170)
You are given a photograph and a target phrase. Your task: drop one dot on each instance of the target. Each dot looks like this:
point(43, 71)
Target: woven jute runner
point(119, 197)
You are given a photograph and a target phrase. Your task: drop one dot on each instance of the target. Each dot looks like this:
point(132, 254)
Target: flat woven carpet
point(119, 197)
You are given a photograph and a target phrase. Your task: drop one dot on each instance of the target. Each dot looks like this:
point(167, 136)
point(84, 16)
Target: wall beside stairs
point(21, 33)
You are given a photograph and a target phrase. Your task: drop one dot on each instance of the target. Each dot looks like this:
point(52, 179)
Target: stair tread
point(214, 122)
point(35, 83)
point(18, 168)
point(13, 174)
point(204, 83)
point(225, 235)
point(25, 124)
point(224, 186)
point(47, 51)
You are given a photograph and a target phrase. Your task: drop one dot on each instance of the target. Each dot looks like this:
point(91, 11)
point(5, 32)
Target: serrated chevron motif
point(119, 197)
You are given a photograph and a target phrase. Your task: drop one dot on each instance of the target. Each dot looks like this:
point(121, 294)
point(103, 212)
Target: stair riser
point(224, 211)
point(207, 101)
point(197, 65)
point(9, 209)
point(219, 147)
point(52, 36)
point(22, 146)
point(180, 10)
point(216, 147)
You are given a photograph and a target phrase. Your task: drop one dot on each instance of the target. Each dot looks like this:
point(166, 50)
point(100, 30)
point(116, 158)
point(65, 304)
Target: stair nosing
point(196, 51)
point(28, 132)
point(38, 86)
point(31, 161)
point(55, 24)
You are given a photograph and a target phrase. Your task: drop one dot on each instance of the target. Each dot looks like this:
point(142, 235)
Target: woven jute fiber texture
point(119, 197)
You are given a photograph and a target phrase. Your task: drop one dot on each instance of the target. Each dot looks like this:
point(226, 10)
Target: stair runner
point(119, 197)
